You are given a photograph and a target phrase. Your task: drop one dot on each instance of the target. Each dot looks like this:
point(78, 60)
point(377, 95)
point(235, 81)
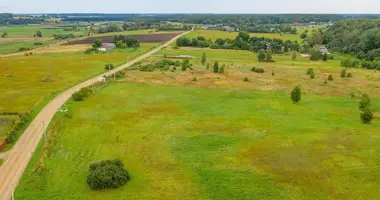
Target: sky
point(190, 6)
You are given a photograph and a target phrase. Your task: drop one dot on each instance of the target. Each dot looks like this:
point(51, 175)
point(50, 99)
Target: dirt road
point(17, 159)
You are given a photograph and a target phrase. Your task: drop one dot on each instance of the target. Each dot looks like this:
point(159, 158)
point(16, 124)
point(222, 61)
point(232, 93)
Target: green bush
point(107, 174)
point(349, 74)
point(343, 73)
point(253, 69)
point(295, 95)
point(259, 70)
point(246, 79)
point(365, 102)
point(366, 116)
point(272, 73)
point(330, 78)
point(309, 71)
point(81, 94)
point(120, 74)
point(312, 75)
point(214, 46)
point(11, 137)
point(108, 67)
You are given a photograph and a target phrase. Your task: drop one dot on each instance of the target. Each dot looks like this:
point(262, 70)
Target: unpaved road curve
point(17, 159)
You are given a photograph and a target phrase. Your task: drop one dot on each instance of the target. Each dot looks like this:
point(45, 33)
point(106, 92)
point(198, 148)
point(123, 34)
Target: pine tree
point(204, 58)
point(296, 94)
point(216, 67)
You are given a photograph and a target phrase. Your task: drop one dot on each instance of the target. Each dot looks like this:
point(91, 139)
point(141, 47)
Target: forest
point(357, 37)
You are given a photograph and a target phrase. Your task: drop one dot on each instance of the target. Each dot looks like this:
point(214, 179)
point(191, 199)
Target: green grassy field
point(14, 46)
point(214, 34)
point(233, 56)
point(5, 123)
point(30, 30)
point(197, 143)
point(26, 87)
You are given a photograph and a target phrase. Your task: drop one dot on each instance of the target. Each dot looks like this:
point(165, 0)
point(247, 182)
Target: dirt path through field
point(18, 157)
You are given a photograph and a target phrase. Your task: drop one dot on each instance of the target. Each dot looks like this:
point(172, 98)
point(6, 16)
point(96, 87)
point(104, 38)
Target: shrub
point(81, 94)
point(108, 67)
point(295, 95)
point(214, 46)
point(23, 49)
point(11, 137)
point(194, 79)
point(261, 56)
point(349, 74)
point(120, 74)
point(174, 68)
point(272, 73)
point(259, 70)
point(343, 73)
point(312, 75)
point(26, 54)
point(107, 174)
point(253, 69)
point(38, 43)
point(366, 116)
point(324, 57)
point(246, 79)
point(364, 102)
point(216, 67)
point(330, 57)
point(330, 78)
point(310, 71)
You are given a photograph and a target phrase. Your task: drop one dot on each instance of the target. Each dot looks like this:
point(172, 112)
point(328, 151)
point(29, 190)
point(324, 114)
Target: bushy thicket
point(123, 41)
point(163, 65)
point(257, 70)
point(242, 42)
point(63, 36)
point(81, 94)
point(107, 174)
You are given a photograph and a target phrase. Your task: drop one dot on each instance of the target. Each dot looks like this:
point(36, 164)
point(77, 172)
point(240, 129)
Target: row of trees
point(123, 41)
point(270, 29)
point(242, 42)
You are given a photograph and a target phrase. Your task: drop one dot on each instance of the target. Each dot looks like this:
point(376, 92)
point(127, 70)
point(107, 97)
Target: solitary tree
point(204, 58)
point(269, 54)
point(261, 55)
point(38, 33)
point(294, 57)
point(216, 67)
point(366, 116)
point(296, 94)
point(185, 64)
point(97, 43)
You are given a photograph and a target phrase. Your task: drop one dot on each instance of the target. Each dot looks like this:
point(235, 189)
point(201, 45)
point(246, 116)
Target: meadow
point(28, 31)
point(214, 34)
point(198, 143)
point(26, 88)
